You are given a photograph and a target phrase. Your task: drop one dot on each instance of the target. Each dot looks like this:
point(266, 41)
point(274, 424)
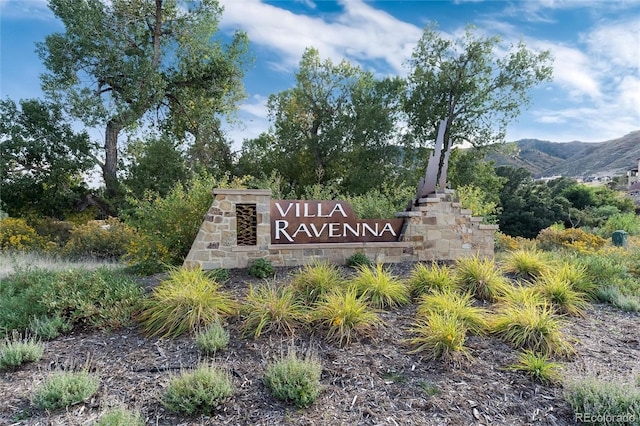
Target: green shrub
point(424, 279)
point(461, 307)
point(173, 221)
point(574, 238)
point(146, 256)
point(439, 335)
point(261, 268)
point(120, 416)
point(358, 259)
point(51, 229)
point(345, 314)
point(15, 351)
point(538, 367)
point(380, 288)
point(212, 339)
point(272, 308)
point(294, 379)
point(64, 388)
point(613, 296)
point(108, 239)
point(103, 298)
point(16, 235)
point(49, 327)
point(533, 327)
point(183, 302)
point(629, 222)
point(312, 282)
point(200, 391)
point(603, 402)
point(481, 277)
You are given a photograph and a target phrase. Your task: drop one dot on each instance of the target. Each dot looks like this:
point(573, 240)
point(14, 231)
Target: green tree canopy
point(42, 160)
point(124, 63)
point(470, 84)
point(335, 126)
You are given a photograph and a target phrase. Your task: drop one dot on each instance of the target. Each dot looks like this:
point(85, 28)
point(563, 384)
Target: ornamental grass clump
point(526, 263)
point(562, 297)
point(481, 277)
point(537, 367)
point(576, 275)
point(294, 379)
point(531, 326)
point(64, 388)
point(344, 315)
point(439, 335)
point(120, 416)
point(425, 279)
point(272, 308)
point(312, 282)
point(198, 392)
point(380, 288)
point(185, 301)
point(461, 307)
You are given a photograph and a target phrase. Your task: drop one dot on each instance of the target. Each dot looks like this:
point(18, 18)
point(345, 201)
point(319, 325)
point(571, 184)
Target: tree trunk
point(110, 166)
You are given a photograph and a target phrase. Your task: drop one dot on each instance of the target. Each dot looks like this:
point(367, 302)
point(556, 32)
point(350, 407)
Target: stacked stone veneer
point(435, 229)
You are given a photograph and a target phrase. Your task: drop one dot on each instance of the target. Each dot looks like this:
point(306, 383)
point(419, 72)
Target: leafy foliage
point(183, 302)
point(17, 235)
point(602, 399)
point(108, 239)
point(64, 388)
point(359, 259)
point(103, 298)
point(261, 268)
point(294, 379)
point(200, 391)
point(41, 159)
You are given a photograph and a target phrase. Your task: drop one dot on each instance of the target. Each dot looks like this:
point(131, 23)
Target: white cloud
point(615, 45)
point(33, 9)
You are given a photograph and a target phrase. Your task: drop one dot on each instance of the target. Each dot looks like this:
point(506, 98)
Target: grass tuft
point(526, 263)
point(120, 416)
point(272, 308)
point(481, 277)
point(425, 279)
point(439, 335)
point(294, 379)
point(380, 288)
point(538, 367)
point(312, 282)
point(200, 391)
point(345, 314)
point(185, 301)
point(562, 297)
point(461, 307)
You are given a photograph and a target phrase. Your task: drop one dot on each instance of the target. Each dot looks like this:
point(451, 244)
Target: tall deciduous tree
point(42, 159)
point(334, 126)
point(470, 84)
point(122, 63)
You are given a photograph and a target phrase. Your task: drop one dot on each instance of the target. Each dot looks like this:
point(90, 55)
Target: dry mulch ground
point(370, 382)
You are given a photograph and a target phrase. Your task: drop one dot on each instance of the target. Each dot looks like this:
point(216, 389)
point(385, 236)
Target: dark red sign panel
point(313, 221)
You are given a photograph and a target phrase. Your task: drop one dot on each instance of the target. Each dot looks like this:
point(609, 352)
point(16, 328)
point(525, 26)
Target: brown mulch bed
point(372, 381)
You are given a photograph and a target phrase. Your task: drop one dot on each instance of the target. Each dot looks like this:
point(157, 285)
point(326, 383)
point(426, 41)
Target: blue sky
point(595, 95)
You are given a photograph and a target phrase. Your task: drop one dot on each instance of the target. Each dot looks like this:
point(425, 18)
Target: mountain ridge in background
point(571, 159)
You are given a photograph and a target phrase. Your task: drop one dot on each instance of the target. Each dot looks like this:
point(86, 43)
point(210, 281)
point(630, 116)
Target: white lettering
point(315, 230)
point(387, 228)
point(302, 228)
point(281, 226)
point(337, 207)
point(306, 210)
point(283, 213)
point(355, 232)
point(366, 226)
point(334, 230)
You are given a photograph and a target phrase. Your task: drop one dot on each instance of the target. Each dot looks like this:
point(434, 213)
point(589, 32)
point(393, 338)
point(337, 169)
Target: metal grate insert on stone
point(246, 224)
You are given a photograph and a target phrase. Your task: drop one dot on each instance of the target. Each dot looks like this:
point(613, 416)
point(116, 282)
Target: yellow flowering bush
point(573, 238)
point(17, 235)
point(107, 239)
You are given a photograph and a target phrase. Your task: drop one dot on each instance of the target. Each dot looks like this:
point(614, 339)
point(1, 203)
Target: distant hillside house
point(632, 175)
